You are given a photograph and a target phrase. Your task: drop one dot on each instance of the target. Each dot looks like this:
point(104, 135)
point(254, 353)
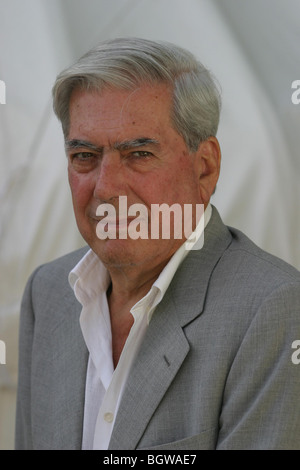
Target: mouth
point(113, 222)
point(111, 228)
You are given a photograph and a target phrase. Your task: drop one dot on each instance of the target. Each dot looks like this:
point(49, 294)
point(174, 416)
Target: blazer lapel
point(165, 346)
point(156, 366)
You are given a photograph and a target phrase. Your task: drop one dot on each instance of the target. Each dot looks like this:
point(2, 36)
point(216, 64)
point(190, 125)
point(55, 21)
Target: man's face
point(122, 143)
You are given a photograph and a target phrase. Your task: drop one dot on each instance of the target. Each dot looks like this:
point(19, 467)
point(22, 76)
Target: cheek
point(81, 190)
point(180, 183)
point(175, 184)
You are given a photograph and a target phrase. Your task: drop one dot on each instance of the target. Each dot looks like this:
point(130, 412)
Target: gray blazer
point(214, 370)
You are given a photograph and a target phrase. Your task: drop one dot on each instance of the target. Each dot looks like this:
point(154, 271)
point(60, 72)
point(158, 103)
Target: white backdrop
point(251, 47)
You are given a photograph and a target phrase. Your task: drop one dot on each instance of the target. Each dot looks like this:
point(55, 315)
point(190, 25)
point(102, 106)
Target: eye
point(82, 156)
point(83, 161)
point(140, 154)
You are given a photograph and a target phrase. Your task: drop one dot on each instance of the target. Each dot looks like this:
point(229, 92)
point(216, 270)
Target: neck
point(129, 285)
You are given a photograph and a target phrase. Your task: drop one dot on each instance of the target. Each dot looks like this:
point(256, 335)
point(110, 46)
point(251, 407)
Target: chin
point(119, 253)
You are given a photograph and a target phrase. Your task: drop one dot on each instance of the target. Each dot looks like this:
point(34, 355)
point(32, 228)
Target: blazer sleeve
point(261, 404)
point(23, 433)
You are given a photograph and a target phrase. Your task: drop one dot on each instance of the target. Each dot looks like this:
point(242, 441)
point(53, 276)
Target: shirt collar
point(89, 277)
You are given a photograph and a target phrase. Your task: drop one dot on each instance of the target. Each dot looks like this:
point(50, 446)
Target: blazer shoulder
point(57, 270)
point(247, 253)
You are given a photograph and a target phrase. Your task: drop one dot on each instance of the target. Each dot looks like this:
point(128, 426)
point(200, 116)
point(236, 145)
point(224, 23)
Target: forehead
point(115, 110)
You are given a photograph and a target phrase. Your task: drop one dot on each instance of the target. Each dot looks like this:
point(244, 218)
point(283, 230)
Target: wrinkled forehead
point(113, 108)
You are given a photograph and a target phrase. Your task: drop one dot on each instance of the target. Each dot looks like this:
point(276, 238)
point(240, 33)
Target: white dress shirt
point(104, 384)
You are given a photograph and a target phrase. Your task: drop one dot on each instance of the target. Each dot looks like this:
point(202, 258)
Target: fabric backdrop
point(253, 50)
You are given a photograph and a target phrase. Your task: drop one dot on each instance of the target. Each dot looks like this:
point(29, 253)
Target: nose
point(111, 180)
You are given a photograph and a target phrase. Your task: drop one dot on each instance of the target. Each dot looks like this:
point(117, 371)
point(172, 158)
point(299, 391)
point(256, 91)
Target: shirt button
point(108, 417)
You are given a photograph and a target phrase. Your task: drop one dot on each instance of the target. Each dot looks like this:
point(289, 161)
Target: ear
point(208, 161)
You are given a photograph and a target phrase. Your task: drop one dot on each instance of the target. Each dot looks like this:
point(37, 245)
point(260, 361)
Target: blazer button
point(108, 417)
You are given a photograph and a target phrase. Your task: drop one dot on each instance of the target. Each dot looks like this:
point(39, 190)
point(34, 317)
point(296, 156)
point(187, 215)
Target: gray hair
point(126, 63)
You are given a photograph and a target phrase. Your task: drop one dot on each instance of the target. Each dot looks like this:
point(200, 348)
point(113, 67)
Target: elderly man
point(147, 342)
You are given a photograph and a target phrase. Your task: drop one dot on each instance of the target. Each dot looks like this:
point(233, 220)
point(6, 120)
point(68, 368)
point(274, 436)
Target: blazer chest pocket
point(206, 440)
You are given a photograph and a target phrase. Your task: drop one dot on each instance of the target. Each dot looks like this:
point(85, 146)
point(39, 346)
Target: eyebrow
point(124, 145)
point(76, 144)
